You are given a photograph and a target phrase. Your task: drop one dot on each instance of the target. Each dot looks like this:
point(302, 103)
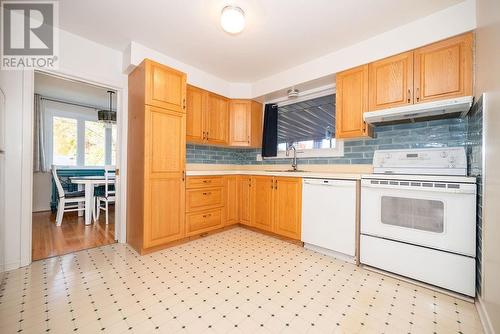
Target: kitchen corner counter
point(303, 174)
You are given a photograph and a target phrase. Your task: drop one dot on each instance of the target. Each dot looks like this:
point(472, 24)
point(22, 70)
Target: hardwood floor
point(49, 240)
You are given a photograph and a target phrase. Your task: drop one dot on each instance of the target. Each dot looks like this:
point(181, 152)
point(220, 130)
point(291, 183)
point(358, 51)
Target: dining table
point(88, 183)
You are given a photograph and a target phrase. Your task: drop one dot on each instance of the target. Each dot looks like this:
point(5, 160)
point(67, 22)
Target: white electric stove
point(418, 217)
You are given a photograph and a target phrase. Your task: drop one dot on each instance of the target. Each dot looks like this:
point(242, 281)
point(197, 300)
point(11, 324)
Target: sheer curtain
point(39, 159)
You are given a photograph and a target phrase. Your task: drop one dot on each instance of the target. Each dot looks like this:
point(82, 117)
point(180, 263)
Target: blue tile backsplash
point(438, 133)
point(475, 167)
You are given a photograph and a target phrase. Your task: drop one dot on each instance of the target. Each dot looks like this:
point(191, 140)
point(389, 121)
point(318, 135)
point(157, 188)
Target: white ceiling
point(279, 34)
point(72, 91)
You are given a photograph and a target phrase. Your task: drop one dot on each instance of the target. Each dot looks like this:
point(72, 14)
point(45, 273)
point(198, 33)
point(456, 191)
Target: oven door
point(431, 214)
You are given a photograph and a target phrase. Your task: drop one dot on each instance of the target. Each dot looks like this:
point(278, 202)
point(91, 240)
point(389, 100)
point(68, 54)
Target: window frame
point(337, 151)
point(50, 112)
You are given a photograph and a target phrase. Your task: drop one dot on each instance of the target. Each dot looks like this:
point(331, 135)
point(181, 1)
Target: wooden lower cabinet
point(288, 206)
point(276, 205)
point(205, 204)
point(231, 194)
point(244, 187)
point(164, 210)
point(203, 221)
point(262, 202)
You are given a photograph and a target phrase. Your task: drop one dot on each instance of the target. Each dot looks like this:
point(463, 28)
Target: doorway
point(74, 157)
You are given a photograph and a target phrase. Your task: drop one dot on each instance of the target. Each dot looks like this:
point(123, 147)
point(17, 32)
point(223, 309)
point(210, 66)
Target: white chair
point(68, 200)
point(109, 195)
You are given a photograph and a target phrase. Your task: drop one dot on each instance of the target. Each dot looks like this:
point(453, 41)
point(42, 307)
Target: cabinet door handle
point(183, 176)
point(272, 184)
point(184, 103)
point(409, 95)
point(418, 94)
point(275, 184)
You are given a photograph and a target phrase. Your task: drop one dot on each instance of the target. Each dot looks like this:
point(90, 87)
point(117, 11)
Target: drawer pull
point(207, 181)
point(207, 215)
point(208, 193)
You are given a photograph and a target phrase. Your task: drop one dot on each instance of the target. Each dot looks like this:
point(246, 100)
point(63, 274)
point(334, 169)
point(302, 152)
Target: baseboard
point(329, 252)
point(483, 317)
point(12, 266)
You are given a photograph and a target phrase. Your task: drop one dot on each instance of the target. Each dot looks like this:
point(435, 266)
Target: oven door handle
point(464, 188)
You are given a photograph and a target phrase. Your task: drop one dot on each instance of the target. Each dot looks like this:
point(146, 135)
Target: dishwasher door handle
point(330, 183)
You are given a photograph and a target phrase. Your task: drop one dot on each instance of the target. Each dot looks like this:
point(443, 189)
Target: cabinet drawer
point(205, 221)
point(198, 199)
point(203, 181)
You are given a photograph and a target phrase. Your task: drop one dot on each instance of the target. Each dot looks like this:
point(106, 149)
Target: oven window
point(419, 214)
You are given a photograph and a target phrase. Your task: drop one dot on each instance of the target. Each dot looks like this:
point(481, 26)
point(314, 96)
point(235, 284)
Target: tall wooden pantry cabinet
point(156, 156)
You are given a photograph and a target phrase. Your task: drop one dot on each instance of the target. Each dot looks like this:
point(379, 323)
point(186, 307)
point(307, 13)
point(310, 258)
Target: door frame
point(27, 155)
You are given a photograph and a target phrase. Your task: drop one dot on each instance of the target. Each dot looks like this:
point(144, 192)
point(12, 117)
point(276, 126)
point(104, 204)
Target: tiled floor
point(237, 281)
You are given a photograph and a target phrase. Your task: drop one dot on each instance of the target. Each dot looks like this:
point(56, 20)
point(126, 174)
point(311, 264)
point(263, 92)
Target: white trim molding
point(484, 317)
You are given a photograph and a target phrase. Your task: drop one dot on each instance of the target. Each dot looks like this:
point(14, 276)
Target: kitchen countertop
point(303, 174)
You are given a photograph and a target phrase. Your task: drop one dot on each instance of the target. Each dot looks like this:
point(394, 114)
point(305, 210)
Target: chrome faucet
point(294, 161)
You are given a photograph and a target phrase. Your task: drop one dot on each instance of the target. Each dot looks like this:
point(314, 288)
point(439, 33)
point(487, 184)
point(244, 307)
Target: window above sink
point(308, 122)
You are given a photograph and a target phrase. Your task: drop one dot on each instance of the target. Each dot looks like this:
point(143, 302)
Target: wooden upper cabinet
point(165, 87)
point(391, 82)
point(244, 187)
point(444, 69)
point(351, 103)
point(245, 125)
point(217, 119)
point(195, 114)
point(256, 128)
point(262, 202)
point(240, 126)
point(288, 206)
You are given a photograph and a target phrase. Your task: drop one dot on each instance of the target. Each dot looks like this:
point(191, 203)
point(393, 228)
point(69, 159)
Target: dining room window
point(75, 139)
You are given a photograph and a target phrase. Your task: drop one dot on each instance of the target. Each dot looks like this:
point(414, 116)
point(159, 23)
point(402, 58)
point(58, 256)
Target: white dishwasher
point(329, 216)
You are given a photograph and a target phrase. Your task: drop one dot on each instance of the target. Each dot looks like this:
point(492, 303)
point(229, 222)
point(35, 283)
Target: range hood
point(460, 105)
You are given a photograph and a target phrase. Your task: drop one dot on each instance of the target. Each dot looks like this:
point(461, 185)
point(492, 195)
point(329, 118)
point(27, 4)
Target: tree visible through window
point(82, 142)
point(94, 143)
point(65, 139)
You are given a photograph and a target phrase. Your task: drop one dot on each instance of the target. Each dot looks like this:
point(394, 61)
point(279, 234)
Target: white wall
point(488, 81)
point(135, 54)
point(440, 25)
point(12, 84)
point(79, 59)
point(42, 191)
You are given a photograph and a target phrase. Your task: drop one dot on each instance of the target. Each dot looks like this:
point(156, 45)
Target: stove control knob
point(444, 154)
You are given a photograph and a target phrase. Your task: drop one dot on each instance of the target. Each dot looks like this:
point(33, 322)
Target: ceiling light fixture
point(232, 19)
